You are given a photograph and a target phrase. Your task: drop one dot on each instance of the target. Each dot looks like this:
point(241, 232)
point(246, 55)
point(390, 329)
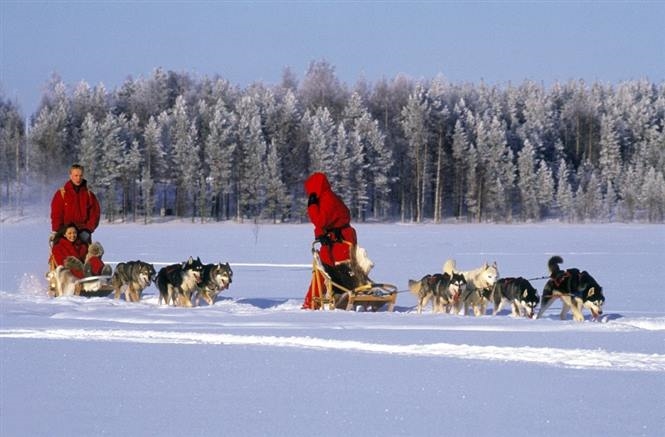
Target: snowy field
point(254, 364)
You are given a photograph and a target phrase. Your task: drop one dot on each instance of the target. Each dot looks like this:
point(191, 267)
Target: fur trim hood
point(95, 249)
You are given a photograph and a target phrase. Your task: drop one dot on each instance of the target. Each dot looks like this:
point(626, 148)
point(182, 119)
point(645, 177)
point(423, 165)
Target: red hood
point(317, 183)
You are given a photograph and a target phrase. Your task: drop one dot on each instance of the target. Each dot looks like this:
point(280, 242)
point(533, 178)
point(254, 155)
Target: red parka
point(96, 265)
point(76, 205)
point(64, 248)
point(331, 218)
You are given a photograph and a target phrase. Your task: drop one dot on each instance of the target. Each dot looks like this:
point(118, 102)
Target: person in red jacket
point(65, 244)
point(332, 229)
point(75, 203)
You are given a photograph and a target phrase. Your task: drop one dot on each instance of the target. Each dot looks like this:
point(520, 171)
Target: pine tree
point(527, 182)
point(186, 157)
point(252, 179)
point(321, 138)
point(277, 199)
point(610, 155)
point(652, 196)
point(564, 193)
point(220, 152)
point(414, 118)
point(91, 149)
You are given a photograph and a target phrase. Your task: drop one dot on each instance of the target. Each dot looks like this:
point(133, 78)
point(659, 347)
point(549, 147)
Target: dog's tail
point(449, 266)
point(414, 286)
point(553, 264)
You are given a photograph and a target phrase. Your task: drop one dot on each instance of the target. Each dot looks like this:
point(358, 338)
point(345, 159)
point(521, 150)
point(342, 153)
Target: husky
point(443, 290)
point(177, 282)
point(131, 278)
point(576, 289)
point(479, 284)
point(62, 282)
point(522, 296)
point(214, 279)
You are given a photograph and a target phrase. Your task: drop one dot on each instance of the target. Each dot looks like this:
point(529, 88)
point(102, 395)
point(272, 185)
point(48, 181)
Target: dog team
point(458, 292)
point(75, 214)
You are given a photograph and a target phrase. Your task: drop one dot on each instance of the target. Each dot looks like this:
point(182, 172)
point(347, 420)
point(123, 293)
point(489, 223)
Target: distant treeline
point(401, 149)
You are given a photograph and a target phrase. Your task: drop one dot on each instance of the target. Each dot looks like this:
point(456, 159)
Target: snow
point(255, 364)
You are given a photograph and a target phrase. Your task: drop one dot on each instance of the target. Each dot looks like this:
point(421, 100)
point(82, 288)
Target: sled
point(371, 295)
point(90, 286)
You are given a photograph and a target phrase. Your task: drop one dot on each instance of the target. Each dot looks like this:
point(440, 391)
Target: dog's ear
point(525, 294)
point(592, 291)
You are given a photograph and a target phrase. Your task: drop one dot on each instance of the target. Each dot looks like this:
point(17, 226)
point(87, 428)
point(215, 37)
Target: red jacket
point(96, 265)
point(330, 217)
point(64, 248)
point(70, 205)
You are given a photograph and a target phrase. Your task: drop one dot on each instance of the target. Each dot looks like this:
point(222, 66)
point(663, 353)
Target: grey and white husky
point(131, 278)
point(214, 279)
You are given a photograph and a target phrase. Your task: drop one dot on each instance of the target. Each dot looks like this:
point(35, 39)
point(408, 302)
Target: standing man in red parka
point(331, 219)
point(74, 203)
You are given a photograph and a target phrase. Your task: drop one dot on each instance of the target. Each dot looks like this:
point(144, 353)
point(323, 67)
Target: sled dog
point(479, 283)
point(576, 289)
point(522, 296)
point(214, 279)
point(177, 282)
point(62, 282)
point(442, 289)
point(131, 278)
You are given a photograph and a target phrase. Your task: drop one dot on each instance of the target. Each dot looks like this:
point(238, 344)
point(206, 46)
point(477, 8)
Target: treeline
point(411, 150)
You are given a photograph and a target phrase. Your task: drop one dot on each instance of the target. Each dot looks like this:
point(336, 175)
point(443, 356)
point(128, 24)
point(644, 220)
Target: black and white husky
point(131, 278)
point(443, 290)
point(215, 278)
point(522, 296)
point(177, 282)
point(576, 289)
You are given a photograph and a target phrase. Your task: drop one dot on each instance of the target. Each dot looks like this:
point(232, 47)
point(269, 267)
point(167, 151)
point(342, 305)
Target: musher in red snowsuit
point(74, 203)
point(331, 220)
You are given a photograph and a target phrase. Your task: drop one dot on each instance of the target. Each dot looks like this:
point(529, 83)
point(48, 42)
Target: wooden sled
point(371, 295)
point(90, 286)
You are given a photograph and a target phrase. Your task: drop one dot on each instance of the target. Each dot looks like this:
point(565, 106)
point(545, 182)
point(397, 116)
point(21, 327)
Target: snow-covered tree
point(414, 124)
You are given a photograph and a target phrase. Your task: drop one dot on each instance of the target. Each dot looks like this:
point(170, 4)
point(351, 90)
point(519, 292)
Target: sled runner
point(328, 292)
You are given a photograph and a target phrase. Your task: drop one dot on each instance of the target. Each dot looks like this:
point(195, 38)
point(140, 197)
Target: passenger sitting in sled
point(68, 250)
point(82, 260)
point(331, 219)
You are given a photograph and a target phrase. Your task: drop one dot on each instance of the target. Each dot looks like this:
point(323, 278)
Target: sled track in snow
point(585, 359)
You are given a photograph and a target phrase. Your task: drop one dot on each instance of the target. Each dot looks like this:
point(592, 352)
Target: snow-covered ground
point(255, 364)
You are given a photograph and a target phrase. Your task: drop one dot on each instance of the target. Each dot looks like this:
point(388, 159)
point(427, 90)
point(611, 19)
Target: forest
point(401, 149)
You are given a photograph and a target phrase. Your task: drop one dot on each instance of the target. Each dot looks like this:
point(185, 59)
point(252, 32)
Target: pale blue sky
point(244, 42)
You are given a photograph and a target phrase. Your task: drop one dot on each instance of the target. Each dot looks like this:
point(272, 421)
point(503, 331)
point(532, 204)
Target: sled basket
point(329, 294)
point(91, 286)
point(95, 286)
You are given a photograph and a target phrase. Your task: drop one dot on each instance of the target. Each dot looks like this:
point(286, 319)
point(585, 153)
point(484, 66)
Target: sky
point(496, 42)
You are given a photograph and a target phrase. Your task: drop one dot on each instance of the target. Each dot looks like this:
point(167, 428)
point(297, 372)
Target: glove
point(313, 200)
point(85, 236)
point(324, 240)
